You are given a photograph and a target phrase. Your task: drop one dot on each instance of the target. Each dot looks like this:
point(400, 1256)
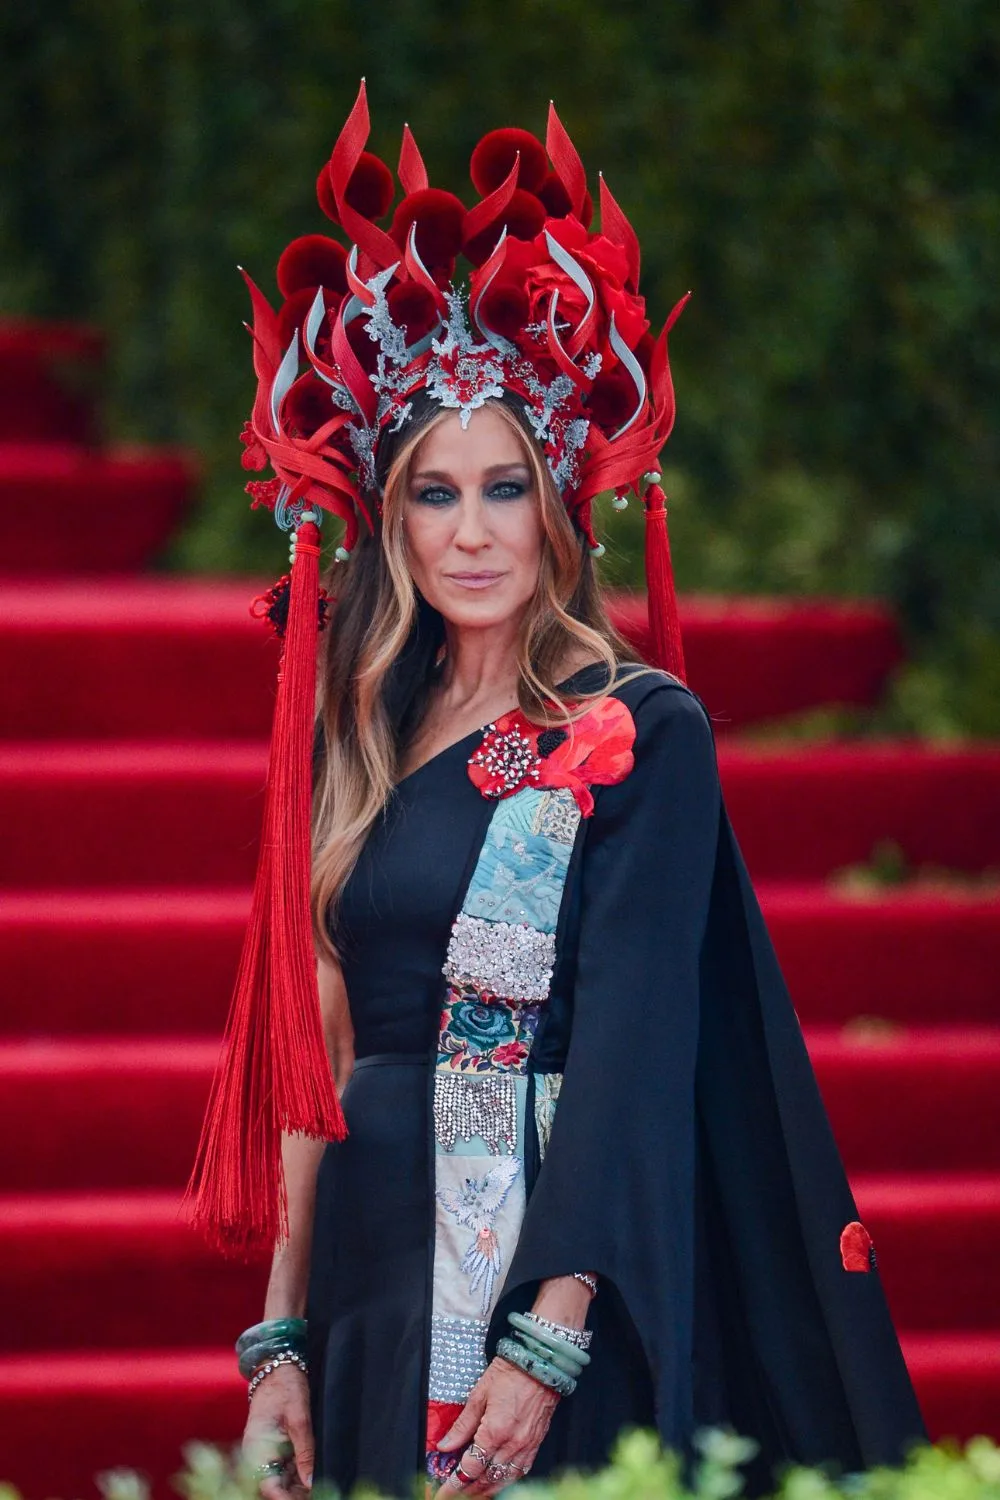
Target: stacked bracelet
point(288, 1358)
point(539, 1369)
point(550, 1352)
point(268, 1344)
point(563, 1354)
point(581, 1337)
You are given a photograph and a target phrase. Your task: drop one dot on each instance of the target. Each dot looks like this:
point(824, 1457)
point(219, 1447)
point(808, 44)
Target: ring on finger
point(497, 1472)
point(463, 1478)
point(267, 1470)
point(479, 1453)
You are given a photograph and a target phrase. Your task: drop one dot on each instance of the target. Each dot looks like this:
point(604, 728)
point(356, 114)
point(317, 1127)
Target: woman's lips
point(474, 580)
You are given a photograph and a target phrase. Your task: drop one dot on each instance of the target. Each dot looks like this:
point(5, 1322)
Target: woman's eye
point(507, 489)
point(434, 494)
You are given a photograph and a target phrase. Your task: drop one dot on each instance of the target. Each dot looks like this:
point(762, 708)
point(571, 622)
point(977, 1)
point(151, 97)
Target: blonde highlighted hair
point(382, 650)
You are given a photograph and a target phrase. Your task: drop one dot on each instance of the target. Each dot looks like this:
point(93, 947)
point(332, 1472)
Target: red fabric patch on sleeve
point(856, 1249)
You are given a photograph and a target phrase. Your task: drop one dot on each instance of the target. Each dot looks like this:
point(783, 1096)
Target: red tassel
point(661, 596)
point(275, 1074)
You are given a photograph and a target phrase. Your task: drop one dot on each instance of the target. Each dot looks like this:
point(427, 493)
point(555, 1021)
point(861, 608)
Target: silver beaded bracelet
point(581, 1337)
point(288, 1357)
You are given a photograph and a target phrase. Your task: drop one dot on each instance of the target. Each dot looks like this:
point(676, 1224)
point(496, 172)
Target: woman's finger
point(300, 1432)
point(467, 1476)
point(465, 1424)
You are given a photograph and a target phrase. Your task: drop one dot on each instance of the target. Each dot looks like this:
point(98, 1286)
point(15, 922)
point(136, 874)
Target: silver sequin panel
point(466, 1106)
point(458, 1357)
point(509, 960)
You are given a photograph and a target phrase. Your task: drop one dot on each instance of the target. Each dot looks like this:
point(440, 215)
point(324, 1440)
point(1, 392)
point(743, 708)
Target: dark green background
point(823, 175)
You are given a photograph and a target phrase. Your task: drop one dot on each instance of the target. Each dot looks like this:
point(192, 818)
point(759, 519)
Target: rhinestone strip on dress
point(458, 1357)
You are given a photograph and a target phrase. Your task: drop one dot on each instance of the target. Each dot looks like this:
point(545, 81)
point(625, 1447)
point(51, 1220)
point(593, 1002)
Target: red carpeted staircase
point(131, 767)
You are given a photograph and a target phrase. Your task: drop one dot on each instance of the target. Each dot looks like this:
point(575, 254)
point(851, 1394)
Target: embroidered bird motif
point(475, 1205)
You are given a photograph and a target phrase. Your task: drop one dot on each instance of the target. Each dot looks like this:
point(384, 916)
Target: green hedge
point(643, 1470)
point(823, 175)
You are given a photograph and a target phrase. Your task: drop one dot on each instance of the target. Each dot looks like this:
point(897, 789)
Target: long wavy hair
point(384, 650)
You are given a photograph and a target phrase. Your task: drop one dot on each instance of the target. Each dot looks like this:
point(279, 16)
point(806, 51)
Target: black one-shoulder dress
point(575, 1051)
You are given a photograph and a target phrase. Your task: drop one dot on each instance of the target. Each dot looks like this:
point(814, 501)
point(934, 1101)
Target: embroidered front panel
point(499, 966)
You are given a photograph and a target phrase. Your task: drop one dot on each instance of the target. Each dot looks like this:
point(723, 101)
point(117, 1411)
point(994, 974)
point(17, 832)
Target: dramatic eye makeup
point(508, 482)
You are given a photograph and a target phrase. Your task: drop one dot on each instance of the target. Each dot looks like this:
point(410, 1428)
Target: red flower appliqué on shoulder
point(595, 750)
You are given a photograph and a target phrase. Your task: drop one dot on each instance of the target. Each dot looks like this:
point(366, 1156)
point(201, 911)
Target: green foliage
point(822, 175)
point(643, 1470)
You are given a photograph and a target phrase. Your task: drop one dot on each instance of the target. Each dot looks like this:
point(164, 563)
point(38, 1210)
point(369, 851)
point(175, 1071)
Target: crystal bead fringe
point(466, 1106)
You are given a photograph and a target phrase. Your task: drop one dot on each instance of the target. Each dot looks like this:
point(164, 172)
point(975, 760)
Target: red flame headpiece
point(551, 311)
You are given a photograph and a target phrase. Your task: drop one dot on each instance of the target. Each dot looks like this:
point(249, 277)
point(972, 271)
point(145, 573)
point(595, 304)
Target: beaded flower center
point(509, 758)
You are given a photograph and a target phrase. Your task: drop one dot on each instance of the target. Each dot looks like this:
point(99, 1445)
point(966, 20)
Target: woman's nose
point(471, 525)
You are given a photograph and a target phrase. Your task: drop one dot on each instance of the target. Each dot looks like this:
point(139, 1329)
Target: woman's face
point(472, 521)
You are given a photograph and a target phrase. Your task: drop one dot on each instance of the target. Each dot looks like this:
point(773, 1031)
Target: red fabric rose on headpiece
point(606, 265)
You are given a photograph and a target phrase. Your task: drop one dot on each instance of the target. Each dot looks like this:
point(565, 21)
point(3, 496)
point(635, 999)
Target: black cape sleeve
point(691, 1164)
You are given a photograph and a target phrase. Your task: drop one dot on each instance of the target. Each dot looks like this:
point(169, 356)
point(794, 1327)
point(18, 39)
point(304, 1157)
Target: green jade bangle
point(293, 1330)
point(255, 1355)
point(553, 1357)
point(554, 1343)
point(539, 1369)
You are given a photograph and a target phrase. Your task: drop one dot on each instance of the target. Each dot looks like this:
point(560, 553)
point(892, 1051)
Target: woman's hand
point(280, 1418)
point(504, 1420)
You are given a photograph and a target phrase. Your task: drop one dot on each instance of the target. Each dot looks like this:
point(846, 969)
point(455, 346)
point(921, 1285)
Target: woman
point(583, 1179)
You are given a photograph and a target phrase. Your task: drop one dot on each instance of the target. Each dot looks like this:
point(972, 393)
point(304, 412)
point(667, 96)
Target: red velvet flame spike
point(566, 160)
point(411, 170)
point(616, 227)
point(274, 1075)
point(661, 595)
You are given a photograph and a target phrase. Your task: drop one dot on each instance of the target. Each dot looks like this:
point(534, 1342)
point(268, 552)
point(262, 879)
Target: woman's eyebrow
point(442, 478)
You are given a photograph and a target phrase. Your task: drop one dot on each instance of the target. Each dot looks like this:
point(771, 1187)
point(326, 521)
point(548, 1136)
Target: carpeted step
point(110, 1114)
point(134, 1257)
point(153, 657)
point(753, 659)
point(188, 813)
point(64, 509)
point(147, 961)
point(143, 962)
point(66, 1417)
point(957, 1380)
point(918, 1099)
point(49, 381)
point(117, 1270)
point(138, 1409)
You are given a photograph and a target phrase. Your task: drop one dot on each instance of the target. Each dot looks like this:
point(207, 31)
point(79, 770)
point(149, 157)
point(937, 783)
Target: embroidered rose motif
point(484, 1024)
point(857, 1252)
point(596, 750)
